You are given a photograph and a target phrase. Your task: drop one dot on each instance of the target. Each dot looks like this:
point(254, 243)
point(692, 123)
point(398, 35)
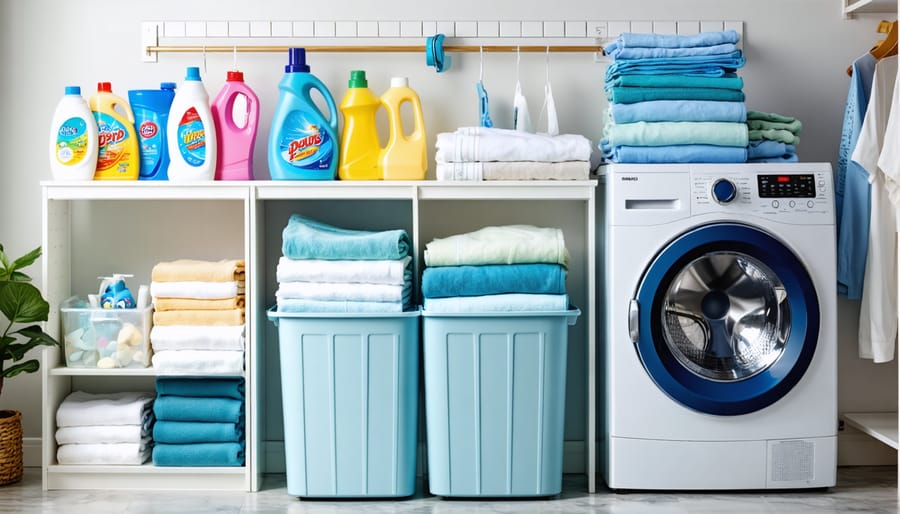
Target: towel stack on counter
point(105, 429)
point(675, 98)
point(330, 269)
point(773, 137)
point(481, 153)
point(198, 319)
point(199, 422)
point(505, 268)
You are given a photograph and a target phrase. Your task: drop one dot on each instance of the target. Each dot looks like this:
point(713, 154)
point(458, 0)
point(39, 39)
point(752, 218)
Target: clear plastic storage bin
point(495, 387)
point(349, 385)
point(94, 337)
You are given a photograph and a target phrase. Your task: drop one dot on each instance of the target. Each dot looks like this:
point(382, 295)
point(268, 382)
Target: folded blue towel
point(304, 238)
point(644, 40)
point(513, 302)
point(307, 305)
point(782, 158)
point(630, 95)
point(725, 82)
point(704, 65)
point(679, 110)
point(444, 281)
point(674, 154)
point(186, 408)
point(199, 454)
point(201, 387)
point(182, 432)
point(658, 53)
point(764, 148)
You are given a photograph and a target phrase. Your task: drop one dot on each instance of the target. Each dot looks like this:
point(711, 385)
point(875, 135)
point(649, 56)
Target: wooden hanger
point(887, 46)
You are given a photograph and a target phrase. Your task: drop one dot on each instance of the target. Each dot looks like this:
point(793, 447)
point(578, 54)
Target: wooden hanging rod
point(375, 48)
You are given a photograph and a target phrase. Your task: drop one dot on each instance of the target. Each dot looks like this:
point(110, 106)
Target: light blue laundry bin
point(495, 387)
point(349, 384)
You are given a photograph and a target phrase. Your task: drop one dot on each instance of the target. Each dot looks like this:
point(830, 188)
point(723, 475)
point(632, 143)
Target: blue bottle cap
point(193, 73)
point(73, 90)
point(296, 61)
point(167, 85)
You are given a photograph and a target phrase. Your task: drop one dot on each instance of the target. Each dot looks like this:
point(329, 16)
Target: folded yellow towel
point(196, 304)
point(197, 317)
point(189, 270)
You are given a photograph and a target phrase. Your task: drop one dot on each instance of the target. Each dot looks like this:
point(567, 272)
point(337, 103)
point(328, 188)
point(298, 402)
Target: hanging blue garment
point(852, 202)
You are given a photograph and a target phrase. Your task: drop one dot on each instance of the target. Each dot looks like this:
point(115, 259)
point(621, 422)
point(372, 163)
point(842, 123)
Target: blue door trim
point(741, 396)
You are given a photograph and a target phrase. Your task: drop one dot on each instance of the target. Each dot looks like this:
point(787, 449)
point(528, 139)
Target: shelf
point(131, 372)
point(880, 425)
point(852, 7)
point(146, 477)
point(145, 190)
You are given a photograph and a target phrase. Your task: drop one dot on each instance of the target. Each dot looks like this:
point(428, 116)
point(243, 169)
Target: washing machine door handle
point(634, 320)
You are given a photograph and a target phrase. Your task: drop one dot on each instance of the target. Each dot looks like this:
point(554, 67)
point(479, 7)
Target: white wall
point(796, 52)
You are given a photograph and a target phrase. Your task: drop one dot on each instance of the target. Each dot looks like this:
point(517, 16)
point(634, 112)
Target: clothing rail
point(375, 48)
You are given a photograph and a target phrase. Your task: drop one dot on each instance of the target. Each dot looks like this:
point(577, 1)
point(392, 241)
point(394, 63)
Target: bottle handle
point(252, 112)
point(418, 118)
point(329, 101)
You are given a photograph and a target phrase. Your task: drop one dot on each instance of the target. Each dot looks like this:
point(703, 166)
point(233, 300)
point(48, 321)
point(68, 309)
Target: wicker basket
point(11, 467)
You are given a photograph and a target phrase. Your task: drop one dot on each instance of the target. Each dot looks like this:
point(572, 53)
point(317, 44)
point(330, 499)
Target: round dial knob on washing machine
point(724, 191)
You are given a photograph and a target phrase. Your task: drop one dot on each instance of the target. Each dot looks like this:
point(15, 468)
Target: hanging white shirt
point(878, 312)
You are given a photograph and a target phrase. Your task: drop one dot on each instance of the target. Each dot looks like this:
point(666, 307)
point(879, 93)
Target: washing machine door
point(728, 319)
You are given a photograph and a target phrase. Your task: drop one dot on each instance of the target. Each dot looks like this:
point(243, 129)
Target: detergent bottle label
point(71, 141)
point(192, 138)
point(304, 145)
point(151, 139)
point(113, 138)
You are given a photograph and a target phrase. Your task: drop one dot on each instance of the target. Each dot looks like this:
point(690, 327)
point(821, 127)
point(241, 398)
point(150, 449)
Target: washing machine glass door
point(728, 319)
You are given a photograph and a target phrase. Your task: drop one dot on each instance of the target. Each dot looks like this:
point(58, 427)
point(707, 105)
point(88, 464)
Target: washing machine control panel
point(790, 197)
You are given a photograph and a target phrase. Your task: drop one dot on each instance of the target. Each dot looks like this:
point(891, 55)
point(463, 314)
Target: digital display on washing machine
point(786, 186)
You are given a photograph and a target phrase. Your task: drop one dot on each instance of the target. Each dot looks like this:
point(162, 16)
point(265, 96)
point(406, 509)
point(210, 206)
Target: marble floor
point(859, 489)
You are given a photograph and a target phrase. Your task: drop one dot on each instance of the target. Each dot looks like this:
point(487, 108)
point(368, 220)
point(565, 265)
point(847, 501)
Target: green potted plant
point(20, 303)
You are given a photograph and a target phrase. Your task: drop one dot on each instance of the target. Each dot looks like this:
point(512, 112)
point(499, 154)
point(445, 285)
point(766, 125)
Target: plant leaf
point(17, 351)
point(36, 332)
point(21, 302)
point(26, 260)
point(29, 366)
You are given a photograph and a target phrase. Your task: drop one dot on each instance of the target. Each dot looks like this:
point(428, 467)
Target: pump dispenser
point(360, 147)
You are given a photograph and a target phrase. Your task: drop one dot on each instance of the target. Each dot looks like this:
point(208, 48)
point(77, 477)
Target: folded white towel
point(513, 170)
point(197, 337)
point(366, 272)
point(200, 290)
point(208, 361)
point(124, 408)
point(470, 144)
point(102, 434)
point(342, 291)
point(133, 454)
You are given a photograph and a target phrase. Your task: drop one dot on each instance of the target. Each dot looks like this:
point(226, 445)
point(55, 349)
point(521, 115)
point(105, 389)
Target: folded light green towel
point(510, 244)
point(785, 136)
point(769, 116)
point(793, 126)
point(677, 81)
point(677, 133)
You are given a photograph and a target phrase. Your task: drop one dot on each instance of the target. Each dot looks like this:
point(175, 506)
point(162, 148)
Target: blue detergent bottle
point(303, 142)
point(151, 114)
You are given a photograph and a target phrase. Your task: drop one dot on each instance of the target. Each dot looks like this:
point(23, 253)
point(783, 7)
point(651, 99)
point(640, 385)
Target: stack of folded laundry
point(503, 268)
point(198, 319)
point(199, 422)
point(773, 137)
point(481, 153)
point(675, 98)
point(330, 269)
point(105, 429)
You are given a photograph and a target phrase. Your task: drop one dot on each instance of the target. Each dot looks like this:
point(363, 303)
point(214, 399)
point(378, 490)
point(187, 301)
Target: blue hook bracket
point(434, 53)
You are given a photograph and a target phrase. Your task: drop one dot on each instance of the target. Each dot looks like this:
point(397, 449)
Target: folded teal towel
point(304, 238)
point(182, 432)
point(201, 387)
point(679, 110)
point(659, 53)
point(704, 65)
point(645, 40)
point(677, 81)
point(444, 281)
point(513, 302)
point(186, 408)
point(667, 133)
point(199, 454)
point(307, 305)
point(630, 95)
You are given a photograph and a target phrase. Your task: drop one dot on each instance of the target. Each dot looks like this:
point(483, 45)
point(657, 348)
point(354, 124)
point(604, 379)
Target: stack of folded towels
point(105, 429)
point(675, 98)
point(330, 269)
point(199, 422)
point(481, 153)
point(198, 319)
point(773, 137)
point(504, 268)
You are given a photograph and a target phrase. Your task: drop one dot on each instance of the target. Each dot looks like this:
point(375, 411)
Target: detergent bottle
point(117, 149)
point(302, 142)
point(404, 157)
point(360, 147)
point(73, 138)
point(191, 132)
point(151, 115)
point(235, 137)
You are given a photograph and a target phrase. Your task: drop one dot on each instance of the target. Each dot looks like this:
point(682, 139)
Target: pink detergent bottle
point(235, 128)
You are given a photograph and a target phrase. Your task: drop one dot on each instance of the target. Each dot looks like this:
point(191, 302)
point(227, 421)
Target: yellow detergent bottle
point(360, 148)
point(118, 157)
point(404, 157)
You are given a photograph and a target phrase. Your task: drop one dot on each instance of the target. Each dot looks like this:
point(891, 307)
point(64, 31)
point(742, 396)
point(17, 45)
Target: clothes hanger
point(885, 47)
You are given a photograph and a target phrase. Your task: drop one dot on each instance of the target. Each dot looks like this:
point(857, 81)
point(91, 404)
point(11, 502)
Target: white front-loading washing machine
point(719, 355)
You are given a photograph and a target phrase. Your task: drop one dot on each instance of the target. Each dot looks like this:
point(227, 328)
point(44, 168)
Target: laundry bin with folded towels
point(348, 342)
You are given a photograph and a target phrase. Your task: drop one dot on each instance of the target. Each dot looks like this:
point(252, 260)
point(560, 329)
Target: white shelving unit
point(880, 425)
point(77, 226)
point(851, 7)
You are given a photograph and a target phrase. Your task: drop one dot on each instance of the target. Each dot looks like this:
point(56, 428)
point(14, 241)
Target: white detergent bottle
point(191, 132)
point(73, 138)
